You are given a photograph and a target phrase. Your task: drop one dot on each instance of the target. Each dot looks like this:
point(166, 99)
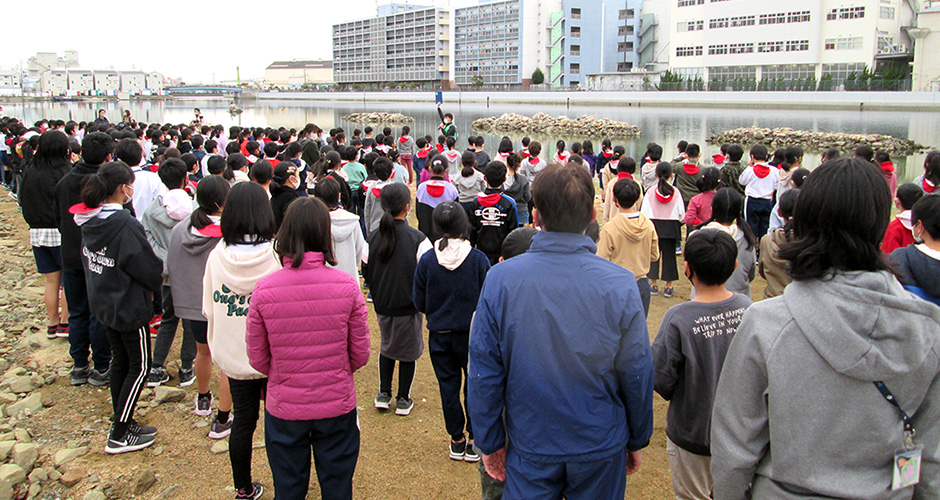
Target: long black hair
point(211, 193)
point(728, 208)
point(53, 150)
point(248, 213)
point(111, 176)
point(450, 221)
point(306, 228)
point(395, 197)
point(840, 219)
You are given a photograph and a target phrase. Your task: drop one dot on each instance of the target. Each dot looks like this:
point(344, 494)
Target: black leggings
point(406, 376)
point(246, 405)
point(130, 365)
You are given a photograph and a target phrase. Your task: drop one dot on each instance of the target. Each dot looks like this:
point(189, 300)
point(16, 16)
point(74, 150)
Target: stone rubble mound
point(816, 141)
point(542, 123)
point(378, 118)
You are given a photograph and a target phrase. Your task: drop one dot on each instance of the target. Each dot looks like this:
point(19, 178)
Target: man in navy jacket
point(559, 347)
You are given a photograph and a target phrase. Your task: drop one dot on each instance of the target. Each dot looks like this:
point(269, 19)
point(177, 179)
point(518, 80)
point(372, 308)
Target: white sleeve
point(423, 247)
point(645, 209)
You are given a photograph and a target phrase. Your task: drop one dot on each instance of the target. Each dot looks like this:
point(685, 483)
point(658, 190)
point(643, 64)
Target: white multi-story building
point(81, 81)
point(409, 44)
point(54, 82)
point(107, 82)
point(155, 82)
point(727, 40)
point(133, 82)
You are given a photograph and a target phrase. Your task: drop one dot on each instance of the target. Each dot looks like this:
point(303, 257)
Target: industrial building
point(296, 74)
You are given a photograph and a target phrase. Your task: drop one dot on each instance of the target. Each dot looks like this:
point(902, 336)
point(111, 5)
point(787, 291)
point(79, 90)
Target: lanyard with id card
point(907, 461)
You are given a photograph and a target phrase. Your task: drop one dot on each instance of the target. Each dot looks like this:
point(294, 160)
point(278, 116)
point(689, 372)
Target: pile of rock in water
point(541, 123)
point(815, 141)
point(378, 118)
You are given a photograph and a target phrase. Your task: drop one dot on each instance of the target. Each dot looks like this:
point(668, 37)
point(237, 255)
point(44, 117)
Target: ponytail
point(211, 193)
point(450, 221)
point(330, 161)
point(727, 208)
point(664, 172)
point(394, 198)
point(111, 176)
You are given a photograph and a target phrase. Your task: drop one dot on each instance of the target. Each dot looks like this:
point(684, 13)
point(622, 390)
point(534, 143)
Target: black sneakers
point(471, 455)
point(80, 375)
point(99, 379)
point(457, 450)
point(130, 442)
point(403, 406)
point(253, 493)
point(187, 377)
point(157, 377)
point(143, 430)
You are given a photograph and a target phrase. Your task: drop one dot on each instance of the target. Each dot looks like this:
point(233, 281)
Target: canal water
point(666, 126)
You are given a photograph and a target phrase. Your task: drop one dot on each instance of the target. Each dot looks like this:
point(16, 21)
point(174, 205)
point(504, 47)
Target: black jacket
point(392, 282)
point(121, 271)
point(492, 217)
point(279, 202)
point(68, 193)
point(917, 271)
point(37, 195)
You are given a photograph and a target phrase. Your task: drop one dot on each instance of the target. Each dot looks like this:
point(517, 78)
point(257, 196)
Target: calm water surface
point(665, 126)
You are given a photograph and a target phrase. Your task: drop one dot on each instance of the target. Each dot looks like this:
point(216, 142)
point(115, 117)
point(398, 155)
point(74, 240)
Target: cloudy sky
point(194, 40)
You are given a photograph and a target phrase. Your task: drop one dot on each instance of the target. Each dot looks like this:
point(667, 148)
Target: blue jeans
point(84, 330)
point(643, 284)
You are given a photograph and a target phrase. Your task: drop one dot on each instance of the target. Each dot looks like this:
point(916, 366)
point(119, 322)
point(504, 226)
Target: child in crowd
point(918, 265)
point(503, 150)
point(524, 150)
point(233, 268)
point(431, 193)
point(760, 182)
point(624, 168)
point(447, 285)
point(406, 150)
point(587, 152)
point(900, 230)
point(732, 169)
point(681, 157)
point(883, 159)
point(349, 245)
point(122, 275)
point(654, 153)
point(931, 177)
point(332, 166)
point(629, 238)
point(688, 354)
point(191, 241)
point(518, 188)
point(665, 208)
point(793, 161)
point(719, 159)
point(611, 168)
point(423, 149)
point(164, 213)
point(688, 173)
point(236, 169)
point(700, 208)
point(394, 250)
point(284, 189)
point(771, 267)
point(482, 157)
point(453, 157)
point(492, 214)
point(399, 172)
point(309, 358)
point(605, 154)
point(728, 216)
point(561, 155)
point(797, 177)
point(470, 182)
point(373, 211)
point(533, 165)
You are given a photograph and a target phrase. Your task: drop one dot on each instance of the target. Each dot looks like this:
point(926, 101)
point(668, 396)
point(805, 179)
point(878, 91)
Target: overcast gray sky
point(192, 40)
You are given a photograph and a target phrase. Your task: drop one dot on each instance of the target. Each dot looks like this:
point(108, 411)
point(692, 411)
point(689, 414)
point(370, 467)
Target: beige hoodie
point(227, 285)
point(630, 241)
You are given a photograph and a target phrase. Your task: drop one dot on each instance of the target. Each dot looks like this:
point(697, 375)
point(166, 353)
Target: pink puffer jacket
point(308, 332)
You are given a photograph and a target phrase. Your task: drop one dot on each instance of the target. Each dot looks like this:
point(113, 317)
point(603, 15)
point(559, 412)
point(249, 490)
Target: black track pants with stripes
point(130, 364)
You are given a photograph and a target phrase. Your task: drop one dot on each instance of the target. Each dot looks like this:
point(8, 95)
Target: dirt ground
point(400, 457)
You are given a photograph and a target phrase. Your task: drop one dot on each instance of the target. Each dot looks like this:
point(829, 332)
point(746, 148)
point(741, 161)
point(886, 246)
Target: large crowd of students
point(267, 244)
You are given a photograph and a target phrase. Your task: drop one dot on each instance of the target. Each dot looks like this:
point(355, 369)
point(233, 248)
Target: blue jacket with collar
point(559, 341)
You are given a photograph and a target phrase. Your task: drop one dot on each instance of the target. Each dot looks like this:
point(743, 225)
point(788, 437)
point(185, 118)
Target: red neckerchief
point(888, 167)
point(761, 170)
point(692, 169)
point(624, 175)
point(489, 200)
point(718, 159)
point(504, 155)
point(562, 157)
point(524, 152)
point(534, 160)
point(440, 148)
point(928, 186)
point(435, 187)
point(663, 199)
point(607, 154)
point(423, 153)
point(403, 139)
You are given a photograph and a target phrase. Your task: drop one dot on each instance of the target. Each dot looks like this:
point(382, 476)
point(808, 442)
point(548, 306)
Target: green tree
point(538, 77)
point(477, 81)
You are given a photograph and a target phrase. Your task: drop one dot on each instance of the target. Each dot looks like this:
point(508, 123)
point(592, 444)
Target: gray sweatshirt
point(186, 259)
point(688, 353)
point(797, 415)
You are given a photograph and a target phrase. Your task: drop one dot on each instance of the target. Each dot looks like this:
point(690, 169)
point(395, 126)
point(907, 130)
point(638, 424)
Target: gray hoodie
point(158, 224)
point(348, 243)
point(797, 414)
point(740, 280)
point(186, 262)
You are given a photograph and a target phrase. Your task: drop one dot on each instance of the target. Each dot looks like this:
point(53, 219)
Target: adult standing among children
point(552, 344)
point(844, 368)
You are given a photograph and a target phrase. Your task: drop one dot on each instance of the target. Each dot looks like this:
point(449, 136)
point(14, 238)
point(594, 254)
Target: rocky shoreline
point(542, 123)
point(390, 118)
point(815, 142)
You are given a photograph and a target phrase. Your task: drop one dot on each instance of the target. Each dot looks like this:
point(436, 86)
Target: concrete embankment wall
point(890, 101)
